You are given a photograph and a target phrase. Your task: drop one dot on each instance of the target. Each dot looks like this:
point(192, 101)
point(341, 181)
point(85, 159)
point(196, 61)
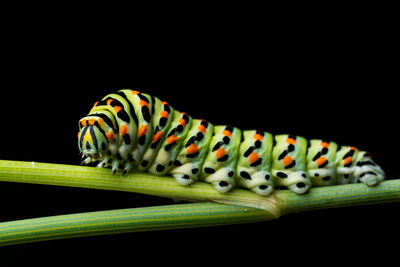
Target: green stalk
point(251, 207)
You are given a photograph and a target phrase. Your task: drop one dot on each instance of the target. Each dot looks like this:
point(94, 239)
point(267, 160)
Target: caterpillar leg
point(220, 163)
point(186, 167)
point(254, 162)
point(289, 163)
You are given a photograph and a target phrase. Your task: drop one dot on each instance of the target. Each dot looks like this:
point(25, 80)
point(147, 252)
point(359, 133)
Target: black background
point(340, 88)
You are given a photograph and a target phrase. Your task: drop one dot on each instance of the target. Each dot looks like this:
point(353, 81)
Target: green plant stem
point(127, 220)
point(251, 206)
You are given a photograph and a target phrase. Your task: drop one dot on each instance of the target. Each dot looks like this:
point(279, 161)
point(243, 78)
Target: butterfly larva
point(129, 130)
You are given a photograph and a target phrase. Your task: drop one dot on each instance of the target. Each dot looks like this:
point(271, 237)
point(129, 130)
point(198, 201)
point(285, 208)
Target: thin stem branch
point(251, 207)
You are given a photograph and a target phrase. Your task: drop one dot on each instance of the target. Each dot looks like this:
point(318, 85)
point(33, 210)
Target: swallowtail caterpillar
point(134, 131)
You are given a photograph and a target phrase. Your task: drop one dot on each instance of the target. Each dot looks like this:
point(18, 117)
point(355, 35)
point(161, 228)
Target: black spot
point(281, 175)
point(87, 145)
point(267, 176)
point(204, 123)
point(209, 170)
point(290, 147)
point(346, 176)
point(103, 146)
point(123, 115)
point(179, 128)
point(160, 168)
point(323, 164)
point(119, 156)
point(146, 114)
point(154, 144)
point(121, 166)
point(185, 176)
point(304, 175)
point(316, 174)
point(263, 187)
point(144, 163)
point(260, 132)
point(191, 141)
point(249, 151)
point(290, 165)
point(193, 155)
point(163, 121)
point(127, 139)
point(317, 156)
point(177, 163)
point(349, 154)
point(217, 146)
point(256, 163)
point(223, 184)
point(301, 185)
point(245, 175)
point(186, 118)
point(226, 140)
point(360, 164)
point(142, 140)
point(170, 163)
point(348, 164)
point(324, 150)
point(167, 108)
point(169, 146)
point(195, 170)
point(327, 178)
point(223, 158)
point(231, 173)
point(199, 136)
point(172, 132)
point(257, 144)
point(283, 154)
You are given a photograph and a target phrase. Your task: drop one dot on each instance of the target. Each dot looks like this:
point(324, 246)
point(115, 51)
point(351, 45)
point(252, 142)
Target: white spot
point(33, 164)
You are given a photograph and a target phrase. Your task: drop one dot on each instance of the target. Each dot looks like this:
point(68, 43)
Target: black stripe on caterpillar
point(133, 131)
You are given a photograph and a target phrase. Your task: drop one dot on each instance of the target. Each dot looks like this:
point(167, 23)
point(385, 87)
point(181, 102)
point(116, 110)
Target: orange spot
point(220, 152)
point(100, 121)
point(288, 159)
point(143, 103)
point(182, 122)
point(226, 133)
point(123, 130)
point(253, 157)
point(325, 144)
point(164, 103)
point(83, 122)
point(91, 121)
point(258, 137)
point(78, 134)
point(192, 149)
point(96, 103)
point(320, 161)
point(347, 160)
point(142, 130)
point(352, 148)
point(134, 92)
point(164, 114)
point(110, 135)
point(157, 136)
point(291, 141)
point(109, 101)
point(117, 108)
point(201, 128)
point(172, 139)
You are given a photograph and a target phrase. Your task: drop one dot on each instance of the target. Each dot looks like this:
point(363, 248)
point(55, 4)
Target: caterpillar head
point(92, 142)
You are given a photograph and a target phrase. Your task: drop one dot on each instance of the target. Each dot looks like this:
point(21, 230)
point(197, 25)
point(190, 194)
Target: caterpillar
point(133, 131)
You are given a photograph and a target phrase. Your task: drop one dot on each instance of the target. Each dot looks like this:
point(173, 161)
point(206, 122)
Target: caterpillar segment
point(321, 162)
point(133, 131)
point(172, 143)
point(187, 165)
point(289, 163)
point(253, 170)
point(220, 162)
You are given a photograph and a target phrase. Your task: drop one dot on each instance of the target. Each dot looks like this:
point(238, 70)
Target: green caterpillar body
point(129, 130)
